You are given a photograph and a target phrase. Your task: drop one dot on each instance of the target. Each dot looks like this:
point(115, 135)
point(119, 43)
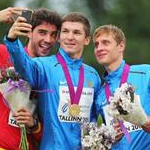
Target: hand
point(8, 15)
point(146, 126)
point(119, 132)
point(19, 28)
point(24, 116)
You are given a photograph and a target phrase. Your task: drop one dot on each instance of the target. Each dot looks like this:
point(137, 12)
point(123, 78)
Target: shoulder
point(90, 70)
point(4, 56)
point(46, 61)
point(3, 49)
point(141, 68)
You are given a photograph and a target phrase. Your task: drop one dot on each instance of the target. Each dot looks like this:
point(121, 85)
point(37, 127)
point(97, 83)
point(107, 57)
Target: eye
point(106, 42)
point(42, 32)
point(54, 34)
point(64, 31)
point(77, 32)
point(96, 44)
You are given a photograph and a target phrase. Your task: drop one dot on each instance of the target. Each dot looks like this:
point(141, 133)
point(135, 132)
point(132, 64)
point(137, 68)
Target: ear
point(87, 40)
point(58, 39)
point(58, 36)
point(29, 35)
point(122, 46)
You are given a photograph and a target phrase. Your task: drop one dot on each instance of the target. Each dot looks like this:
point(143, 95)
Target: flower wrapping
point(96, 137)
point(16, 93)
point(126, 105)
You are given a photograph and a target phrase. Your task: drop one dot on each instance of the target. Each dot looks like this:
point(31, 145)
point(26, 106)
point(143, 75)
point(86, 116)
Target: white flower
point(97, 138)
point(125, 105)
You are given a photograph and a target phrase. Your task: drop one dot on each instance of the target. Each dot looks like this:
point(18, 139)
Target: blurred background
point(132, 16)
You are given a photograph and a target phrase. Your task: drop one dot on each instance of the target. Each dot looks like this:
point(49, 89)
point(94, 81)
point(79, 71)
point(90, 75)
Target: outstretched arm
point(27, 67)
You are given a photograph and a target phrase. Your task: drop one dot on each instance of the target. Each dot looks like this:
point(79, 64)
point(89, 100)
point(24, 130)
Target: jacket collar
point(75, 63)
point(114, 74)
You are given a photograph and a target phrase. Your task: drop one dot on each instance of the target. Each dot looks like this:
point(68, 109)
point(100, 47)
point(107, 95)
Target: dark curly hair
point(45, 15)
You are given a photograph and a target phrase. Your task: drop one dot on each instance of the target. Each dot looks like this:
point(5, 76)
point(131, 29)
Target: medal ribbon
point(108, 93)
point(75, 97)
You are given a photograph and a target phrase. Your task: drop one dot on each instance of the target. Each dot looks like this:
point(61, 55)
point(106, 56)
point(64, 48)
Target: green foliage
point(38, 3)
point(90, 59)
point(3, 30)
point(132, 17)
point(97, 9)
point(137, 51)
point(5, 4)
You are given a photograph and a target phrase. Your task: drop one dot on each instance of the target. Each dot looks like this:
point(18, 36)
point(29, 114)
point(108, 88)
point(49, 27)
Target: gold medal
point(74, 110)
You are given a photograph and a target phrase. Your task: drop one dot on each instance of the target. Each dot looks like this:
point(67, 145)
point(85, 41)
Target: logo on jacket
point(89, 83)
point(65, 108)
point(64, 82)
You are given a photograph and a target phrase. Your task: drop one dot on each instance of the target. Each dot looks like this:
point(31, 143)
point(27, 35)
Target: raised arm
point(27, 67)
point(19, 28)
point(9, 14)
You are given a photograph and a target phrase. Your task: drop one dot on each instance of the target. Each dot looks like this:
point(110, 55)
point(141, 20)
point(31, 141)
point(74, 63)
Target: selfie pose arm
point(19, 28)
point(16, 49)
point(8, 15)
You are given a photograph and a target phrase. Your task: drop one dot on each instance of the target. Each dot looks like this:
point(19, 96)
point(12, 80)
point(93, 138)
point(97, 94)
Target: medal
point(74, 110)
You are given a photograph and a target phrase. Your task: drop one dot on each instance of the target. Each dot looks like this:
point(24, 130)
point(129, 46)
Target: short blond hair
point(116, 32)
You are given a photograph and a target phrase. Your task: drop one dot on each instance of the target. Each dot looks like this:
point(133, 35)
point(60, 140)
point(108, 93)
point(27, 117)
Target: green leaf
point(99, 120)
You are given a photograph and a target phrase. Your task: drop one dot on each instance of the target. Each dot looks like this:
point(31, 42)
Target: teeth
point(45, 46)
point(70, 44)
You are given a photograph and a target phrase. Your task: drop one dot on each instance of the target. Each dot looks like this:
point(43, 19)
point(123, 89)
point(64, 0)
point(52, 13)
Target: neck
point(113, 66)
point(75, 56)
point(30, 50)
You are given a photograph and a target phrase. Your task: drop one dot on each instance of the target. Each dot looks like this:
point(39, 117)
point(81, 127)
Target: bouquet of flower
point(95, 137)
point(125, 105)
point(16, 94)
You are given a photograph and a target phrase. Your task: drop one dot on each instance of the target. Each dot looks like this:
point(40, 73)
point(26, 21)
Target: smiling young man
point(109, 43)
point(73, 84)
point(44, 33)
point(42, 37)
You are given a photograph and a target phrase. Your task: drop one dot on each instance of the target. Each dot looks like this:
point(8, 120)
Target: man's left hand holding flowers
point(16, 94)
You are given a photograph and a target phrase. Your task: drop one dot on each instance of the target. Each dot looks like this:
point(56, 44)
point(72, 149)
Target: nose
point(48, 38)
point(70, 36)
point(98, 47)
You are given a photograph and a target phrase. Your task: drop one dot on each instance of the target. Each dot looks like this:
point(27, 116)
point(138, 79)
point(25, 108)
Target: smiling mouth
point(101, 55)
point(45, 48)
point(70, 44)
